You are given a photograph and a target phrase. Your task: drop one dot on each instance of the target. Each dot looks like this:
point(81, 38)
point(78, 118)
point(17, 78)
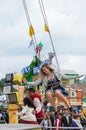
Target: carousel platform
point(19, 127)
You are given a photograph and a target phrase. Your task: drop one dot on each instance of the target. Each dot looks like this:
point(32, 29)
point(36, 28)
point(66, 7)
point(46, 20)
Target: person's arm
point(38, 105)
point(61, 76)
point(22, 112)
point(37, 82)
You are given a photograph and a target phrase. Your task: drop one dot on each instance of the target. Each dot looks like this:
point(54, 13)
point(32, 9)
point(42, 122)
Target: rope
point(29, 23)
point(46, 21)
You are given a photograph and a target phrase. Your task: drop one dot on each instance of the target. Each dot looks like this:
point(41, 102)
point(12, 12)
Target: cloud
point(67, 22)
point(73, 63)
point(13, 64)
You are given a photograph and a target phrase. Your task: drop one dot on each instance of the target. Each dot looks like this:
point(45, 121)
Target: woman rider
point(52, 82)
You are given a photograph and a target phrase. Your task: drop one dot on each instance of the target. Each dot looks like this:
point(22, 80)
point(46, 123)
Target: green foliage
point(26, 75)
point(65, 81)
point(2, 81)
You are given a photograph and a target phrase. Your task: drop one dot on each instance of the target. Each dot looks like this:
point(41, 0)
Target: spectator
point(0, 115)
point(83, 120)
point(2, 121)
point(7, 116)
point(36, 98)
point(76, 122)
point(46, 122)
point(26, 115)
point(27, 93)
point(58, 121)
point(52, 118)
point(66, 119)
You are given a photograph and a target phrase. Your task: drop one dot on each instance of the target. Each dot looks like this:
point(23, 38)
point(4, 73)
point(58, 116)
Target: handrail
point(64, 127)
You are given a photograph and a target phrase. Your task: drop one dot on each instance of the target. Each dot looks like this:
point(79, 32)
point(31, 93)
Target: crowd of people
point(48, 119)
point(51, 79)
point(32, 112)
point(4, 117)
point(64, 118)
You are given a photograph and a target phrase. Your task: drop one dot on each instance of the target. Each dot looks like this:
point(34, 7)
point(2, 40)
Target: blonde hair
point(46, 65)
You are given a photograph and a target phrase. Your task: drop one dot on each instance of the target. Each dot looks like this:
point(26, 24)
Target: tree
point(2, 81)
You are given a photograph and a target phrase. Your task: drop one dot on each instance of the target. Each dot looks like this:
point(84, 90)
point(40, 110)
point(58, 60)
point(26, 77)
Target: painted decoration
point(13, 118)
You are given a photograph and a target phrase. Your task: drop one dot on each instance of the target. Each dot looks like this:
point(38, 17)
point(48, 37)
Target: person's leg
point(49, 96)
point(39, 120)
point(62, 98)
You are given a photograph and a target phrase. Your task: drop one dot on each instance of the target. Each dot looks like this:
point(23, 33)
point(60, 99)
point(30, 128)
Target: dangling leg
point(62, 98)
point(49, 96)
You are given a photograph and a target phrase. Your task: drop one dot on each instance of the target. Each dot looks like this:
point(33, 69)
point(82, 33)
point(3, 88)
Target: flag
point(31, 43)
point(26, 70)
point(38, 49)
point(46, 28)
point(40, 44)
point(36, 70)
point(31, 31)
point(45, 61)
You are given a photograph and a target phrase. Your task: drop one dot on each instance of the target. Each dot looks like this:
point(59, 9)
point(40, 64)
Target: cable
point(46, 22)
point(29, 23)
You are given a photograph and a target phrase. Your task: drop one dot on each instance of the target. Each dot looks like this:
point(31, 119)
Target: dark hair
point(26, 89)
point(58, 114)
point(28, 102)
point(75, 116)
point(32, 90)
point(66, 109)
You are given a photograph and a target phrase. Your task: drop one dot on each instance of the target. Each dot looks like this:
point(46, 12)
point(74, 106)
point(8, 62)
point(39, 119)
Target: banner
point(26, 69)
point(36, 70)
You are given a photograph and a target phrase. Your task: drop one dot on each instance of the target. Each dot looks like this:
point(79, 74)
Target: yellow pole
point(13, 118)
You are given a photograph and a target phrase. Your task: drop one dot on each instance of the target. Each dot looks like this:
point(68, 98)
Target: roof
point(78, 86)
point(68, 72)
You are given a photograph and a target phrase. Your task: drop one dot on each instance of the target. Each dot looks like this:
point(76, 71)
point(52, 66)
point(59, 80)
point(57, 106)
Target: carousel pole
point(48, 30)
point(31, 29)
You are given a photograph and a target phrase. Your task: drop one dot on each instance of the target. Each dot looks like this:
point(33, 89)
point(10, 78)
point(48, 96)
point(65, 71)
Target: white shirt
point(26, 114)
point(37, 104)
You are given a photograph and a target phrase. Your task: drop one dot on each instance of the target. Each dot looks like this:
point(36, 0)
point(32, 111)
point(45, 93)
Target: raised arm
point(37, 82)
point(71, 77)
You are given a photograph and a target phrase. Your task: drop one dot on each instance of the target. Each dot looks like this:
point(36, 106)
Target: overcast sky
point(67, 22)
